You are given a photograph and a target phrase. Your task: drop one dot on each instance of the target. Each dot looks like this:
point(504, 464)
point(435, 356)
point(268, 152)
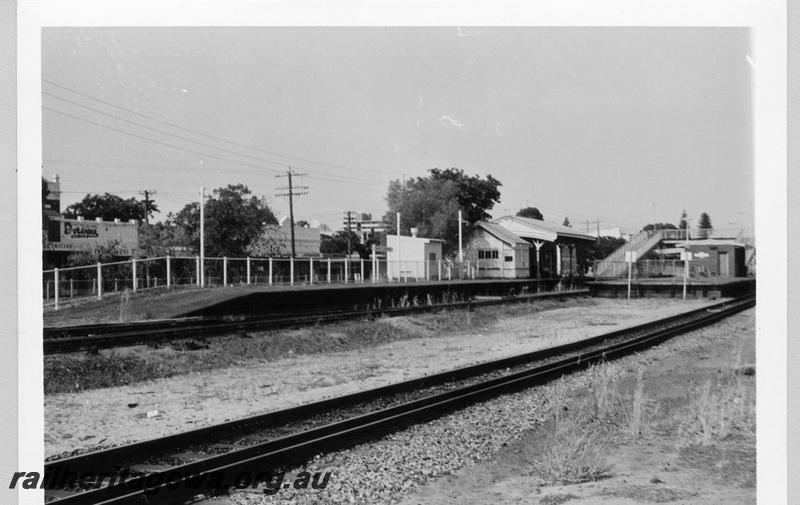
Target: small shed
point(412, 257)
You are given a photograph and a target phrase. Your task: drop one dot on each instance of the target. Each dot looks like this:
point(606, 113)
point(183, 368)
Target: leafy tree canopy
point(336, 244)
point(603, 247)
point(234, 218)
point(160, 239)
point(659, 226)
point(683, 223)
point(108, 207)
point(705, 222)
point(432, 203)
point(531, 212)
point(476, 196)
point(432, 206)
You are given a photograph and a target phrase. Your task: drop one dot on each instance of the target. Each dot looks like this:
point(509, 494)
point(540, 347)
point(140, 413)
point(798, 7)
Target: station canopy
point(533, 229)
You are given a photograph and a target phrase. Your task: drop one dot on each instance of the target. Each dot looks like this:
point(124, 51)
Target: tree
point(476, 196)
point(160, 239)
point(336, 244)
point(602, 248)
point(704, 224)
point(302, 224)
point(428, 205)
point(659, 226)
point(530, 212)
point(108, 207)
point(234, 218)
point(566, 223)
point(432, 203)
point(683, 223)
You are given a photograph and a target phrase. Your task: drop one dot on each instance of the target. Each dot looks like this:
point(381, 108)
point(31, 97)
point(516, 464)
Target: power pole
point(147, 193)
point(291, 194)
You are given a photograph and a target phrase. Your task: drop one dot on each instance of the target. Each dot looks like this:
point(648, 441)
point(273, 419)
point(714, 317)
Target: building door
point(723, 266)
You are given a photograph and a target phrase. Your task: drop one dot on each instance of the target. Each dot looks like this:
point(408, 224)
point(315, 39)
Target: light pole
point(202, 238)
point(686, 257)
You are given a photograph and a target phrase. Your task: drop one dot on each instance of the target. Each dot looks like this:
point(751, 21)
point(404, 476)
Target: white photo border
point(767, 20)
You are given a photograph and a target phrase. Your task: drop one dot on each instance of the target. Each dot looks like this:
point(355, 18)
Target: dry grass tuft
point(720, 407)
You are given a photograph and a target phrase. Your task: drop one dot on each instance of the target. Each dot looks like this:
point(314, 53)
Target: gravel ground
point(393, 469)
point(111, 416)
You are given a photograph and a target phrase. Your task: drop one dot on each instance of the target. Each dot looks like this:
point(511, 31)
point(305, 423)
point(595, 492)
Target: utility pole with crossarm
point(291, 193)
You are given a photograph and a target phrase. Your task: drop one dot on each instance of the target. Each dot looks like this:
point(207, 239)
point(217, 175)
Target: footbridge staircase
point(614, 264)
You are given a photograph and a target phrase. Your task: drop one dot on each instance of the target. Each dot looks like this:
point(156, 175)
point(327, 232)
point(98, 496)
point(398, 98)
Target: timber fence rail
point(100, 280)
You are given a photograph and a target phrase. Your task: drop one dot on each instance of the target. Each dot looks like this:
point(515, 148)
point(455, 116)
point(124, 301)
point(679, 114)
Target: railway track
point(94, 336)
point(165, 468)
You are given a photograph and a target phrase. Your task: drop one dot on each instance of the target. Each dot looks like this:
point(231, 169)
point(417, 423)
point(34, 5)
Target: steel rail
point(117, 335)
point(298, 447)
point(141, 450)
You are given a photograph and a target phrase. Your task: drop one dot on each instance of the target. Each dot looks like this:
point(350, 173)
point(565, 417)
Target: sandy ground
point(668, 465)
point(111, 416)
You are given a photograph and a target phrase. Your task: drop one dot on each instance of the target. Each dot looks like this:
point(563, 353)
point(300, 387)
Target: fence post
point(311, 270)
point(346, 270)
point(449, 272)
point(169, 272)
point(248, 270)
point(291, 271)
point(197, 261)
point(440, 269)
point(362, 270)
point(55, 277)
point(99, 281)
point(270, 271)
point(133, 273)
point(71, 289)
point(224, 271)
point(329, 270)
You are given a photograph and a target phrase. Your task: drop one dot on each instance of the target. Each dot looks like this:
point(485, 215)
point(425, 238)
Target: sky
point(624, 126)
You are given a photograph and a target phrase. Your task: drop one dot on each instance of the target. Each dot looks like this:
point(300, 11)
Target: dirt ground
point(694, 441)
point(111, 416)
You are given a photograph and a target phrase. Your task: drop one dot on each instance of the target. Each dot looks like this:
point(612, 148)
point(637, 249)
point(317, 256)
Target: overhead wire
point(264, 160)
point(197, 132)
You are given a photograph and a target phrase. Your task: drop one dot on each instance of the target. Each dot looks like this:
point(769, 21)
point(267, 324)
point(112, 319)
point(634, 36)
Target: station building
point(62, 236)
point(709, 257)
point(519, 247)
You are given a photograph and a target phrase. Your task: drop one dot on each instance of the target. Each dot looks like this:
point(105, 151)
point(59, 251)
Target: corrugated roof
point(501, 232)
point(551, 227)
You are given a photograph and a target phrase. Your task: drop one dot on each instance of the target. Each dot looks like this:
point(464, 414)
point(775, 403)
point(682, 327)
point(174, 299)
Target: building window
point(488, 254)
point(509, 258)
point(432, 256)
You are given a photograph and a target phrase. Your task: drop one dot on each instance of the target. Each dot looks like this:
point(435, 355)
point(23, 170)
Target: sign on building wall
point(74, 235)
